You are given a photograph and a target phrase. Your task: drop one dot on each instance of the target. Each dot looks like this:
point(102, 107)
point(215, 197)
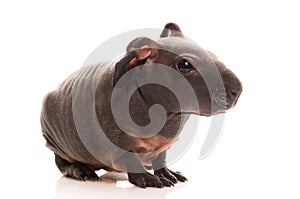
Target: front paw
point(144, 180)
point(170, 175)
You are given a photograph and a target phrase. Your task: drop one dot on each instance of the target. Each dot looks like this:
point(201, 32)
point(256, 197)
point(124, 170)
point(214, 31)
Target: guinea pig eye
point(184, 66)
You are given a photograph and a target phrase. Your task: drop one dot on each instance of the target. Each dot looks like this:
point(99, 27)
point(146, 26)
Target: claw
point(144, 180)
point(179, 176)
point(166, 182)
point(170, 175)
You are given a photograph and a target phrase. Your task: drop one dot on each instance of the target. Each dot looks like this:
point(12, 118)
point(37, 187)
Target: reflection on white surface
point(111, 185)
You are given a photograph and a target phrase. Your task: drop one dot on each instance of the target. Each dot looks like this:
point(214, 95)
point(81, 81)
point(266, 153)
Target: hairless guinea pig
point(83, 123)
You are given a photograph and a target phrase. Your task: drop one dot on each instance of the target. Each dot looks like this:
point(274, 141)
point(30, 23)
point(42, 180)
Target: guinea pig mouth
point(213, 113)
point(220, 112)
point(206, 114)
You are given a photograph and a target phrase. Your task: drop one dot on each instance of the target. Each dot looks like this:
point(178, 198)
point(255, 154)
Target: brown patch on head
point(132, 63)
point(139, 51)
point(142, 50)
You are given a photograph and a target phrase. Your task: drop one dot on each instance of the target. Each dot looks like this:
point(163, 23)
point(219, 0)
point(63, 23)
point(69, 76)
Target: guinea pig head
point(214, 88)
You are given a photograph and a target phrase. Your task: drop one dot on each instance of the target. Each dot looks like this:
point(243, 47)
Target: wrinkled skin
point(61, 133)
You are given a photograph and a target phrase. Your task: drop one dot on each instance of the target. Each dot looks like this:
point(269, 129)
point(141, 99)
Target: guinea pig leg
point(76, 170)
point(161, 170)
point(140, 177)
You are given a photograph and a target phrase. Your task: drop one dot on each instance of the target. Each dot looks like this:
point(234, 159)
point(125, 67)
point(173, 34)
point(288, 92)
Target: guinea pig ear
point(139, 51)
point(171, 30)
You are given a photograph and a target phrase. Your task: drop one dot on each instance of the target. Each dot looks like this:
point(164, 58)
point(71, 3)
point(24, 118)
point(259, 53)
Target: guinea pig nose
point(234, 94)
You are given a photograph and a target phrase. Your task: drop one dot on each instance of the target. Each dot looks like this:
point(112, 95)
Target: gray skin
point(73, 157)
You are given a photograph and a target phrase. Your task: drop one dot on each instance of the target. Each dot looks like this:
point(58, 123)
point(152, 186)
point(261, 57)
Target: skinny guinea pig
point(72, 115)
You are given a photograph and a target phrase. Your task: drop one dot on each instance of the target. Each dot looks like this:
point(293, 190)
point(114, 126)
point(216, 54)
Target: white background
point(41, 42)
